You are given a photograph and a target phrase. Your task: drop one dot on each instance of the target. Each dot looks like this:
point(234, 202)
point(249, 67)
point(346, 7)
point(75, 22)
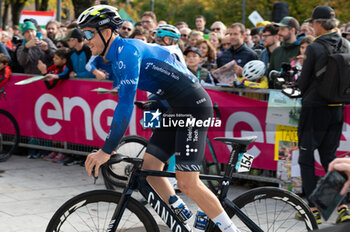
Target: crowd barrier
point(80, 118)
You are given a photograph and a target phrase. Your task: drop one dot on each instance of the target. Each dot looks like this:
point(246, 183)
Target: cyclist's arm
point(127, 90)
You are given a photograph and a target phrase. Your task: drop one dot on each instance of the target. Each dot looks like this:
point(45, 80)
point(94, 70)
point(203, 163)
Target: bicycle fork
point(118, 213)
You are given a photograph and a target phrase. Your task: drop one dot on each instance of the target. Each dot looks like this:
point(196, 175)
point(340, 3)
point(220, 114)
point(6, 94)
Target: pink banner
point(71, 112)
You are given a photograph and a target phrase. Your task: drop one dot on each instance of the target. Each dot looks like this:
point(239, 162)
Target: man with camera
point(320, 123)
point(34, 49)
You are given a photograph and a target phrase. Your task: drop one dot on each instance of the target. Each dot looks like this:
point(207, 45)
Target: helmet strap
point(104, 41)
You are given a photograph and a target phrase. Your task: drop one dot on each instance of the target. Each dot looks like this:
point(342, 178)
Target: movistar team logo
point(151, 119)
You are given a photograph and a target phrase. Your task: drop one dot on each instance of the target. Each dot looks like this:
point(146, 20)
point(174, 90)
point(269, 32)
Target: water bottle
point(180, 208)
point(201, 221)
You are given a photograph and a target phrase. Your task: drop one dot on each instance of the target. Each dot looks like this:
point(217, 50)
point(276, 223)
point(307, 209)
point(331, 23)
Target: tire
point(273, 209)
point(9, 135)
point(211, 168)
point(92, 211)
point(116, 175)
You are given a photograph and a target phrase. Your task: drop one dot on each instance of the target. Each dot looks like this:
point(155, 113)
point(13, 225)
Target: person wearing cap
point(79, 56)
point(193, 60)
point(238, 51)
point(288, 29)
point(34, 49)
point(320, 124)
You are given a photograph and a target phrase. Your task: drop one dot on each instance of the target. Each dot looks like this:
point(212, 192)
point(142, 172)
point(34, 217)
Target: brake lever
point(93, 174)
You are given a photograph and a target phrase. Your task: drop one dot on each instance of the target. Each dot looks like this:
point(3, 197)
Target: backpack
point(334, 78)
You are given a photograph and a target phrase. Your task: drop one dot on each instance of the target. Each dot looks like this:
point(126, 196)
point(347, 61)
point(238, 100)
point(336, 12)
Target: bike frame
point(138, 181)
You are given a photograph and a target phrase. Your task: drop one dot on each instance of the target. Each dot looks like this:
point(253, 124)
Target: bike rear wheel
point(116, 175)
point(92, 211)
point(9, 135)
point(273, 209)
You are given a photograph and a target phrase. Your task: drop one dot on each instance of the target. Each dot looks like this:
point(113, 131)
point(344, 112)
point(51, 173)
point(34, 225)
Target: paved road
point(32, 190)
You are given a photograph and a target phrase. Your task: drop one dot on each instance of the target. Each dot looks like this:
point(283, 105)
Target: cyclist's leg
point(190, 184)
point(160, 184)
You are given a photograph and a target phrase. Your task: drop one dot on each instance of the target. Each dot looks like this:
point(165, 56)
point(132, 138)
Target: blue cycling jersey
point(148, 67)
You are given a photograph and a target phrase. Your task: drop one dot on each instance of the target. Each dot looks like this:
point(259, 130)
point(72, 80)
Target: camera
point(284, 77)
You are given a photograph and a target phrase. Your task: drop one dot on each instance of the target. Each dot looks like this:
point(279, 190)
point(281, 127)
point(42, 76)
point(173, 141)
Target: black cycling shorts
point(183, 131)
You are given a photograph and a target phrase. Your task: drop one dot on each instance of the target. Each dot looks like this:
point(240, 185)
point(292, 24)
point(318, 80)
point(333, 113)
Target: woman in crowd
point(208, 54)
point(215, 40)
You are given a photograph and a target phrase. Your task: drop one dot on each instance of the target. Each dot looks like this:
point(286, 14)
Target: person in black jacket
point(320, 124)
point(238, 51)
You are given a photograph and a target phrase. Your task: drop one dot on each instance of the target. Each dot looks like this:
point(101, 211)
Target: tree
point(16, 10)
point(81, 5)
point(41, 5)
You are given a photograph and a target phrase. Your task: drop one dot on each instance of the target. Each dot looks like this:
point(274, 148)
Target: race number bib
point(244, 162)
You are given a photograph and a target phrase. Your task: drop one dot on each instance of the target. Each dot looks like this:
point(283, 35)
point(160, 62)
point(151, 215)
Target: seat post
point(236, 150)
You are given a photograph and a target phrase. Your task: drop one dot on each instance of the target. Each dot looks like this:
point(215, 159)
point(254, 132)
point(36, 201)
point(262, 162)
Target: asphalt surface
point(31, 190)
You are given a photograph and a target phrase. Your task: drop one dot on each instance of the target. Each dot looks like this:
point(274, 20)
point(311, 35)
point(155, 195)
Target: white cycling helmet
point(254, 70)
point(168, 30)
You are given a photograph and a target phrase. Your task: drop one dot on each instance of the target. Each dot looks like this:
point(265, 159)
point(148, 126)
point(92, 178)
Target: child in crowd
point(193, 60)
point(298, 60)
point(59, 64)
point(5, 71)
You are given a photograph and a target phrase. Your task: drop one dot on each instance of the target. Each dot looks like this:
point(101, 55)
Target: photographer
point(320, 124)
point(34, 49)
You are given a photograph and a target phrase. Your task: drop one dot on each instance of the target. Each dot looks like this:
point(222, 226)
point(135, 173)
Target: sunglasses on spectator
point(126, 28)
point(216, 29)
point(184, 35)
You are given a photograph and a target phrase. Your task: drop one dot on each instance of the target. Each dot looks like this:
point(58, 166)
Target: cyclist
point(152, 68)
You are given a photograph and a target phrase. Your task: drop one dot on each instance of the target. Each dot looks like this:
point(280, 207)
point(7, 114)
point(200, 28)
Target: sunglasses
point(126, 28)
point(216, 29)
point(88, 35)
point(184, 35)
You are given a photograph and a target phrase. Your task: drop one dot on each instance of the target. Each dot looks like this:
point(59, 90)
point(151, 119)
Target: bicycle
point(116, 175)
point(261, 209)
point(9, 132)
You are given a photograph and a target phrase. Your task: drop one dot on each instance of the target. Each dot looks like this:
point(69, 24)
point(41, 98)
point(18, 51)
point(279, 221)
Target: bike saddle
point(239, 140)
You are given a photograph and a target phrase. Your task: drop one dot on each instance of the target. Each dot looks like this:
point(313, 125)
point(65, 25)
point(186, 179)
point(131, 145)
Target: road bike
point(260, 209)
point(116, 175)
point(9, 131)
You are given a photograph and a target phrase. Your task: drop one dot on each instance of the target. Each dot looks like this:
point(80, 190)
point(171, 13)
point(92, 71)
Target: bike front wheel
point(273, 209)
point(92, 211)
point(9, 135)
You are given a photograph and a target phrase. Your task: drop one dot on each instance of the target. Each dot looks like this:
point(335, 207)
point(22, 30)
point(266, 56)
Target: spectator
point(193, 60)
point(225, 43)
point(184, 35)
point(61, 44)
point(248, 39)
point(255, 34)
point(180, 25)
point(194, 37)
point(34, 49)
point(299, 59)
point(100, 67)
point(320, 124)
point(79, 56)
point(59, 64)
point(287, 30)
point(208, 54)
point(126, 29)
point(141, 34)
point(219, 28)
point(342, 165)
point(53, 30)
point(307, 29)
point(200, 24)
point(5, 71)
point(271, 41)
point(215, 40)
point(6, 39)
point(238, 51)
point(161, 22)
point(16, 31)
point(149, 23)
